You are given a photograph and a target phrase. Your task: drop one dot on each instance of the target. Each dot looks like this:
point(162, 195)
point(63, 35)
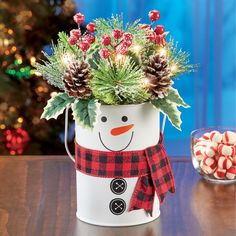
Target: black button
point(117, 206)
point(118, 186)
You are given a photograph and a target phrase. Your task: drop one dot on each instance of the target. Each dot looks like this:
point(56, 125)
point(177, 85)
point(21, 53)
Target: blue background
point(205, 28)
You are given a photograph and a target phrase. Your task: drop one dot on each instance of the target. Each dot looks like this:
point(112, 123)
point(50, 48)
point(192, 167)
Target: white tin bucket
point(98, 202)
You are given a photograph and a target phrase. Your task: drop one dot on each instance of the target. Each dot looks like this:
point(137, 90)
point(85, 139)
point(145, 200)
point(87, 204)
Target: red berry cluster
point(123, 40)
point(82, 41)
point(156, 35)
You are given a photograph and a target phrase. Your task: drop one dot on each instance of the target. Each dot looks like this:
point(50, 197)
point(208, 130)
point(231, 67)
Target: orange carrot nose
point(121, 129)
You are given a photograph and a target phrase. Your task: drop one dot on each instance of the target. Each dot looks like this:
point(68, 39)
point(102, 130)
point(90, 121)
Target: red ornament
point(84, 46)
point(117, 33)
point(152, 36)
point(105, 40)
point(104, 53)
point(79, 18)
point(161, 40)
point(91, 27)
point(76, 33)
point(90, 38)
point(154, 15)
point(145, 26)
point(128, 36)
point(159, 29)
point(122, 49)
point(72, 40)
point(16, 140)
point(127, 43)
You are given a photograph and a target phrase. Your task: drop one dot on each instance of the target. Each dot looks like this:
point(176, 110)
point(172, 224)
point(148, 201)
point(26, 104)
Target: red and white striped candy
point(226, 150)
point(217, 157)
point(210, 151)
point(208, 165)
point(231, 173)
point(234, 160)
point(220, 174)
point(203, 142)
point(225, 162)
point(229, 137)
point(215, 136)
point(198, 152)
point(205, 136)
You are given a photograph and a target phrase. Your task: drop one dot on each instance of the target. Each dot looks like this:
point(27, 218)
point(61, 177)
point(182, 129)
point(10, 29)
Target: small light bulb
point(136, 48)
point(146, 82)
point(174, 68)
point(66, 59)
point(162, 52)
point(37, 73)
point(32, 61)
point(2, 126)
point(119, 58)
point(53, 94)
point(20, 120)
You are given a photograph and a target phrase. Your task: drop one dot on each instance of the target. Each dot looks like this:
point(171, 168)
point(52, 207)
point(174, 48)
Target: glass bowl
point(198, 153)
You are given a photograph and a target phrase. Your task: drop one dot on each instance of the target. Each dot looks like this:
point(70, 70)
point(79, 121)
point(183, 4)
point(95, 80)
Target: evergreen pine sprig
point(118, 82)
point(53, 68)
point(106, 26)
point(178, 59)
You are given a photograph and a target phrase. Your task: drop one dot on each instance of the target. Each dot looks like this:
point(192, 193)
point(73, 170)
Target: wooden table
point(37, 197)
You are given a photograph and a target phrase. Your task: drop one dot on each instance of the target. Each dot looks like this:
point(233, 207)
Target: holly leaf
point(173, 96)
point(56, 106)
point(85, 112)
point(170, 109)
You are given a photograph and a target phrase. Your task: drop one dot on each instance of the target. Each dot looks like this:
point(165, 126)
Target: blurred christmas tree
point(26, 27)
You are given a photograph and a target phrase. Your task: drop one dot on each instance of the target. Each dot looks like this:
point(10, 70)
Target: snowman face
point(125, 130)
point(122, 128)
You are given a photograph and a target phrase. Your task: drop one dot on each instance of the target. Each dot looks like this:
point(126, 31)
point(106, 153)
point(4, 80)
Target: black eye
point(103, 119)
point(124, 118)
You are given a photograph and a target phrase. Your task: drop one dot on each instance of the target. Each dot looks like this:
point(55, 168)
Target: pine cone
point(76, 80)
point(158, 74)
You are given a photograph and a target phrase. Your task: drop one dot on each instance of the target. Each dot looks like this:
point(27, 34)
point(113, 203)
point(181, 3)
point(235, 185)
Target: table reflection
point(149, 229)
point(214, 206)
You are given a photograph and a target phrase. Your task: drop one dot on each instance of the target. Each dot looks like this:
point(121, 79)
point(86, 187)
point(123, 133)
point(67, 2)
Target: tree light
point(173, 68)
point(20, 120)
point(37, 73)
point(32, 61)
point(2, 126)
point(146, 82)
point(136, 48)
point(162, 52)
point(119, 58)
point(66, 59)
point(53, 94)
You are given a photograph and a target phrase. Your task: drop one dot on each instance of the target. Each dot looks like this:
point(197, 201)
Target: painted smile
point(116, 150)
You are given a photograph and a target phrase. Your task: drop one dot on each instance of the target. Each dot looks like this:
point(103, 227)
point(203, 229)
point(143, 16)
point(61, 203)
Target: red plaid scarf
point(151, 165)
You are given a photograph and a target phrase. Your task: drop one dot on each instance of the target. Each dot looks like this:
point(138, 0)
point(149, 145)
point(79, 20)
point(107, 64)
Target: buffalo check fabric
point(151, 165)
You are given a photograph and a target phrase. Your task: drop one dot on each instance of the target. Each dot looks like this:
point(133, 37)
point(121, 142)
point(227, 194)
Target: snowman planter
point(116, 85)
point(112, 171)
point(106, 201)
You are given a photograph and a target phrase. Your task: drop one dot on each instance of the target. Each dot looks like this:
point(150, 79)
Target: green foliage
point(115, 81)
point(173, 96)
point(170, 110)
point(85, 112)
point(179, 58)
point(53, 68)
point(118, 82)
point(169, 106)
point(56, 106)
point(106, 26)
point(73, 50)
